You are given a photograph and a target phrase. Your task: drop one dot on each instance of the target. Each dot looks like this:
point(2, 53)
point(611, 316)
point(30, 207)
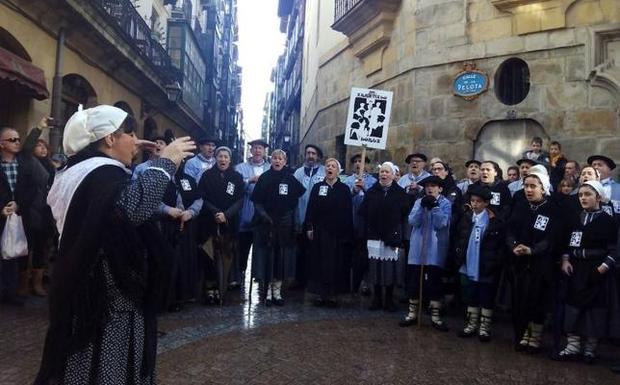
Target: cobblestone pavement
point(245, 343)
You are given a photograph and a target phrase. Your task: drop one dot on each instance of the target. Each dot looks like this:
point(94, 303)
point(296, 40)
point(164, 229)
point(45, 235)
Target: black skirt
point(328, 269)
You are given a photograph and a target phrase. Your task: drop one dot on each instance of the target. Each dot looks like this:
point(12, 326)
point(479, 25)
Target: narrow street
point(301, 344)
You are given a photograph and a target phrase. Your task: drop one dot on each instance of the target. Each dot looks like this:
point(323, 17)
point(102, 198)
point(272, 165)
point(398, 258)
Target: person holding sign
point(329, 227)
point(359, 182)
point(222, 192)
point(430, 233)
point(532, 236)
point(275, 198)
point(384, 211)
point(589, 262)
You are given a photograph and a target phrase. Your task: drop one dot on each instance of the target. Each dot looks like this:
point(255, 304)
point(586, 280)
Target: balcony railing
point(125, 15)
point(342, 7)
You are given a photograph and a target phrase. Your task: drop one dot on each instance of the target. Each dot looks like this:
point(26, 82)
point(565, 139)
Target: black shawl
point(222, 191)
point(95, 228)
point(277, 192)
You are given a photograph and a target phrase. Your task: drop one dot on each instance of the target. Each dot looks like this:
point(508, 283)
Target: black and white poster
point(368, 119)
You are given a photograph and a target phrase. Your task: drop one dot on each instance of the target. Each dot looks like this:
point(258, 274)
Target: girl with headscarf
point(275, 198)
point(329, 229)
point(222, 192)
point(532, 237)
point(589, 260)
point(384, 212)
point(103, 298)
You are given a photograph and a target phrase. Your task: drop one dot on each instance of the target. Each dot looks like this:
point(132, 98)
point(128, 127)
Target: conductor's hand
point(179, 149)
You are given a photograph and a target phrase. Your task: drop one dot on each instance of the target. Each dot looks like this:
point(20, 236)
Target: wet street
point(245, 343)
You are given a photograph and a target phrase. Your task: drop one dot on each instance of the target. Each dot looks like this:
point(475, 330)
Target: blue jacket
point(246, 169)
point(435, 224)
point(308, 182)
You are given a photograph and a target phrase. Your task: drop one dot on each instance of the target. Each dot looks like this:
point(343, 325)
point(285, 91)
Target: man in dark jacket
point(22, 181)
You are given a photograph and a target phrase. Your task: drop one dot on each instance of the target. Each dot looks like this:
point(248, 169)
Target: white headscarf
point(88, 126)
point(598, 187)
point(540, 172)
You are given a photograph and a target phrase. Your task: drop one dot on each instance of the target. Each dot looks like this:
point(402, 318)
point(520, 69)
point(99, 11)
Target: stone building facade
point(147, 57)
point(561, 57)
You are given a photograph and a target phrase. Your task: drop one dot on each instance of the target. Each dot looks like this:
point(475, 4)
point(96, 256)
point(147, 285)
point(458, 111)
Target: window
point(512, 81)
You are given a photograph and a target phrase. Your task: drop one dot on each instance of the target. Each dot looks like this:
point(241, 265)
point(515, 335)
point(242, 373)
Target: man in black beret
point(473, 175)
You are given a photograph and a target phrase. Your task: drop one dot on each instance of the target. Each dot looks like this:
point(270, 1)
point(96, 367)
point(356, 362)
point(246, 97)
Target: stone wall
point(431, 41)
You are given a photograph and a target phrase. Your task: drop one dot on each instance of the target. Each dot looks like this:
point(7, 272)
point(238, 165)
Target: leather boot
point(471, 324)
point(412, 315)
point(535, 344)
point(484, 334)
point(437, 322)
point(37, 283)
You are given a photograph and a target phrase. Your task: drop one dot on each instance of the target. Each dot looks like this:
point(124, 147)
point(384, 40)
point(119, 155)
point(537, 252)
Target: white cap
point(540, 172)
point(88, 126)
point(598, 187)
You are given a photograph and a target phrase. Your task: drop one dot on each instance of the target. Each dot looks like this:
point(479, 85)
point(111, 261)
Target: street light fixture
point(173, 91)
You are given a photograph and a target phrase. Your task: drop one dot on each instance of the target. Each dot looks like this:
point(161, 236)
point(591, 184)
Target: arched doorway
point(125, 107)
point(505, 140)
point(20, 82)
point(76, 90)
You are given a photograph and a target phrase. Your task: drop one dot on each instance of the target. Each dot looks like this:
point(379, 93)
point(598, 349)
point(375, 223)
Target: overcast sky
point(260, 44)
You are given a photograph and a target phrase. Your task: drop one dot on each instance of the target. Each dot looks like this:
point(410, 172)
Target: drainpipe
point(56, 130)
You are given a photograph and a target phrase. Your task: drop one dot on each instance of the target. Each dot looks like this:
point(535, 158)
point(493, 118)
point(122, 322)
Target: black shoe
point(175, 308)
point(589, 358)
point(533, 349)
point(319, 302)
point(407, 322)
point(365, 291)
point(484, 338)
point(268, 302)
point(442, 327)
point(569, 357)
point(278, 302)
point(332, 304)
point(520, 347)
point(464, 334)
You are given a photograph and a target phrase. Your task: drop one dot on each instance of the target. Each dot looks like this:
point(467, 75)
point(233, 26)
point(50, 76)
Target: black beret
point(416, 155)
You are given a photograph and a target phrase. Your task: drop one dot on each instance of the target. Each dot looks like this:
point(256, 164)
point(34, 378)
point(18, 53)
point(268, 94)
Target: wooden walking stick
point(422, 257)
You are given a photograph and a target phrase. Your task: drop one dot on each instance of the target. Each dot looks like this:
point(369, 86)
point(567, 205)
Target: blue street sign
point(470, 84)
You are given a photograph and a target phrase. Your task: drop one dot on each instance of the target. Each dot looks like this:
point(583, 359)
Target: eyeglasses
point(12, 140)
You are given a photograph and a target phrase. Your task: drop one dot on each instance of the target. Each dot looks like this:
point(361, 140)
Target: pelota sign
point(470, 82)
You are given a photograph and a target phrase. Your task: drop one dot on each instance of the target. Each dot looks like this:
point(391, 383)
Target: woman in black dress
point(384, 210)
point(275, 199)
point(532, 235)
point(222, 188)
point(589, 263)
point(330, 229)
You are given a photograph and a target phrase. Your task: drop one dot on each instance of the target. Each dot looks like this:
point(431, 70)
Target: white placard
point(368, 119)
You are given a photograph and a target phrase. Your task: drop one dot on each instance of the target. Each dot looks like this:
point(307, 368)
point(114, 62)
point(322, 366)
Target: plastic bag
point(14, 243)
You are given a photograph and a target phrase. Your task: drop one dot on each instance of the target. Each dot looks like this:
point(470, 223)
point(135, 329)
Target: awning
point(28, 78)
